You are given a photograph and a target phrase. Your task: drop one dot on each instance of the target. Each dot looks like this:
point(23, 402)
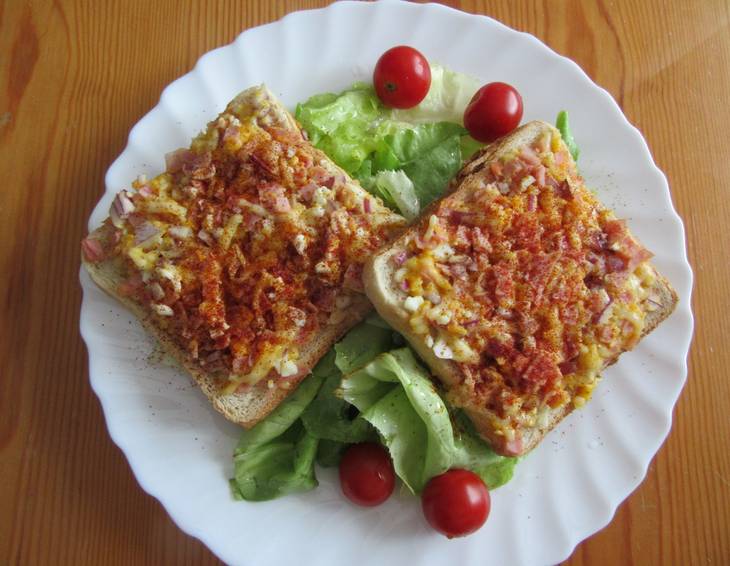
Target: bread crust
point(387, 297)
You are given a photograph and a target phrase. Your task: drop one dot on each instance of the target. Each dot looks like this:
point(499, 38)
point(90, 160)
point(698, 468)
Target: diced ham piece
point(130, 286)
point(514, 446)
point(568, 367)
point(353, 278)
point(621, 241)
point(597, 241)
point(366, 206)
point(174, 160)
point(250, 219)
point(615, 263)
point(145, 191)
point(540, 175)
point(639, 254)
point(307, 192)
point(273, 197)
point(541, 370)
point(498, 349)
point(504, 284)
point(322, 177)
point(92, 249)
point(529, 156)
point(513, 169)
point(285, 135)
point(262, 163)
point(561, 157)
point(615, 231)
point(539, 275)
point(282, 205)
point(187, 161)
point(565, 191)
point(605, 333)
point(480, 241)
point(599, 300)
point(457, 270)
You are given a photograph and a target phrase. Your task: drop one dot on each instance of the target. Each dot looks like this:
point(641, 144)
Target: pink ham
point(621, 241)
point(306, 193)
point(353, 278)
point(273, 197)
point(540, 174)
point(529, 156)
point(92, 250)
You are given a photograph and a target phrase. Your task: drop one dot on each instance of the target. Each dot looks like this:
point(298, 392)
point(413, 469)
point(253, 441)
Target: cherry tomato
point(366, 474)
point(402, 77)
point(456, 503)
point(494, 111)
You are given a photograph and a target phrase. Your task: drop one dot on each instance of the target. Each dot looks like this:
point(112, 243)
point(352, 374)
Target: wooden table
point(76, 75)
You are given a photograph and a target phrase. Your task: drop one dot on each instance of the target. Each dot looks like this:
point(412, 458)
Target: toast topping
point(248, 244)
point(527, 282)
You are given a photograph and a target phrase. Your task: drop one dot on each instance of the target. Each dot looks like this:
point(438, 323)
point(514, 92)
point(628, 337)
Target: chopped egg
point(300, 243)
point(442, 350)
point(162, 310)
point(288, 368)
point(412, 304)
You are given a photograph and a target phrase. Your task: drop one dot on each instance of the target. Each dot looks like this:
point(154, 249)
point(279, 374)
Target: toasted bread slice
point(305, 223)
point(486, 365)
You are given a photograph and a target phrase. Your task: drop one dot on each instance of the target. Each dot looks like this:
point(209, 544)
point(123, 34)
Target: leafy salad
point(371, 387)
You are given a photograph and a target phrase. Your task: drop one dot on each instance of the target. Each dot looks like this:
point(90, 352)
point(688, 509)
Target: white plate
point(568, 488)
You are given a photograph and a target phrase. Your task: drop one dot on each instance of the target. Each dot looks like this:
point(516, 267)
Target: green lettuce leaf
point(329, 452)
point(448, 97)
point(276, 456)
point(340, 124)
point(362, 344)
point(275, 468)
point(395, 394)
point(329, 417)
point(429, 154)
point(469, 146)
point(397, 190)
point(563, 126)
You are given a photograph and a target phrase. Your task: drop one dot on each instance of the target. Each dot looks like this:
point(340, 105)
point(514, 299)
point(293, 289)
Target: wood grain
point(75, 75)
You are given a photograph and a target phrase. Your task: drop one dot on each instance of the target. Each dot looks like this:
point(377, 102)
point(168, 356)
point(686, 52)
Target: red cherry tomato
point(402, 77)
point(494, 111)
point(456, 503)
point(366, 474)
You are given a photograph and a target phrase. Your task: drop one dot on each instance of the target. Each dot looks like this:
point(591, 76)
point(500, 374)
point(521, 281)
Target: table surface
point(76, 75)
